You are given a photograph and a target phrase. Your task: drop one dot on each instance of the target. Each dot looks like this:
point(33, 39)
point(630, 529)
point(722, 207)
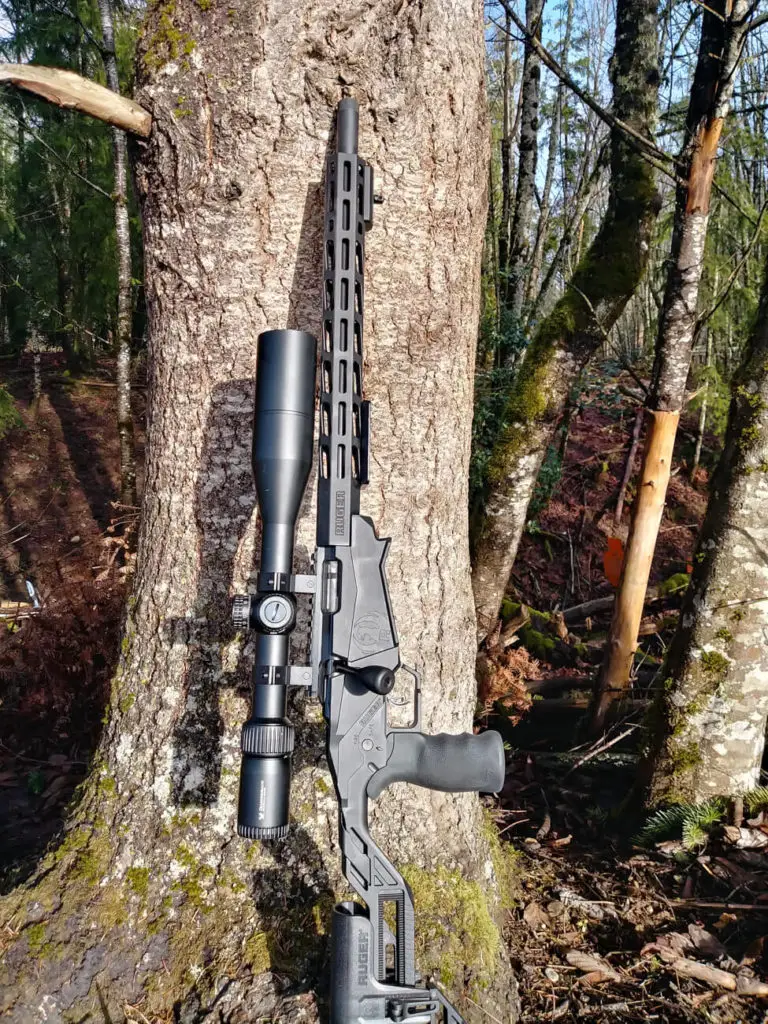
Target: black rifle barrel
point(346, 126)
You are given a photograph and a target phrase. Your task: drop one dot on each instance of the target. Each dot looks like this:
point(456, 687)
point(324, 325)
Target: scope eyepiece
point(265, 778)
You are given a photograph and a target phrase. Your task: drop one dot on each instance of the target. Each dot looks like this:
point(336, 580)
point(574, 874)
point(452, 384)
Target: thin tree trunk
point(522, 222)
point(629, 466)
point(124, 291)
point(723, 31)
point(554, 142)
point(702, 424)
point(707, 732)
point(506, 160)
point(572, 332)
point(584, 195)
point(152, 897)
point(64, 290)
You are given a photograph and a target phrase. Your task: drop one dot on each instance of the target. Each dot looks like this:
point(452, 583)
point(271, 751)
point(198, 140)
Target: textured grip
point(453, 764)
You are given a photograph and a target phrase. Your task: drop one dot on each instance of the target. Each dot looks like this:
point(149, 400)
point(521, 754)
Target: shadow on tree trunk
point(197, 753)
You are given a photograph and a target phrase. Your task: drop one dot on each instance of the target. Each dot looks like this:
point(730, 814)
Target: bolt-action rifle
point(354, 646)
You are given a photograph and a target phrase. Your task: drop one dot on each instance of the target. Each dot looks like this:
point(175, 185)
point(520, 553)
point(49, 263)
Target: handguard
point(354, 653)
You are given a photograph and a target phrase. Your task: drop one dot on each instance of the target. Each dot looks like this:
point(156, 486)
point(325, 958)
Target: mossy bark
point(564, 342)
point(151, 899)
point(707, 730)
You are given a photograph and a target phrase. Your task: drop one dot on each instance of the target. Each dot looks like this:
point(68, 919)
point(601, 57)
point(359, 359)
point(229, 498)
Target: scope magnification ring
point(267, 739)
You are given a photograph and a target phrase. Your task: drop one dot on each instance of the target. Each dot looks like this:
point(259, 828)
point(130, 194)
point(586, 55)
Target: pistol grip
point(452, 764)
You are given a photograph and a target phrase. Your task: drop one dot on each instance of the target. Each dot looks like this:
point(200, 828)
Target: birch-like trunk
point(568, 336)
point(708, 729)
point(506, 159)
point(522, 221)
point(152, 899)
point(124, 291)
point(542, 227)
point(723, 32)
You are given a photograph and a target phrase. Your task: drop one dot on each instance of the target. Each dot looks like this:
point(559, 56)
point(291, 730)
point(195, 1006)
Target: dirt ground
point(59, 529)
point(600, 928)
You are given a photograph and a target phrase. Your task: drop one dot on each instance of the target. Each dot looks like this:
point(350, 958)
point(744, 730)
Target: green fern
point(694, 836)
point(692, 823)
point(756, 800)
point(661, 825)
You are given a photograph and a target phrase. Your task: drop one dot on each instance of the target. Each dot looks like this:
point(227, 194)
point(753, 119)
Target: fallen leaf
point(672, 943)
point(613, 560)
point(745, 838)
point(706, 942)
point(693, 969)
point(596, 978)
point(592, 965)
point(596, 911)
point(535, 917)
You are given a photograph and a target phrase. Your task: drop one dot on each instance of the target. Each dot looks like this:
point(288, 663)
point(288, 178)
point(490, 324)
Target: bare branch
point(66, 89)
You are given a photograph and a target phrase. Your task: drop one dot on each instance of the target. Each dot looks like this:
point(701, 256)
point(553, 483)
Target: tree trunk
point(629, 466)
point(566, 339)
point(723, 31)
point(64, 333)
point(522, 222)
point(554, 143)
point(702, 424)
point(124, 291)
point(506, 160)
point(708, 729)
point(152, 899)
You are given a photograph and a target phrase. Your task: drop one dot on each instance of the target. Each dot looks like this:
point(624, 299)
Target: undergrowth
point(694, 824)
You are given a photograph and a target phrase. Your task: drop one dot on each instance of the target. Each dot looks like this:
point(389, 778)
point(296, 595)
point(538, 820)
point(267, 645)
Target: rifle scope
point(283, 423)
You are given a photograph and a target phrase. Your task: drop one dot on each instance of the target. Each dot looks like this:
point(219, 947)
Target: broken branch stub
point(66, 89)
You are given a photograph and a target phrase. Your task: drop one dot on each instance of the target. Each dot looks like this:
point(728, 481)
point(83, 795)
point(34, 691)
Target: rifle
point(354, 651)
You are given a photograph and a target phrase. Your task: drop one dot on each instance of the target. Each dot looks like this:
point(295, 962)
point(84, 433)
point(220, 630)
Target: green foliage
point(9, 414)
point(58, 252)
point(756, 800)
point(499, 346)
point(691, 823)
point(694, 824)
point(711, 387)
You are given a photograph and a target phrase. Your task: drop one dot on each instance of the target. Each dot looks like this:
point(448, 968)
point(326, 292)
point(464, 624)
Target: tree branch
point(66, 89)
point(610, 119)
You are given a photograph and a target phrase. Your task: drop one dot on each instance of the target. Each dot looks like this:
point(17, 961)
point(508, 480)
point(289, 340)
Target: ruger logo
point(341, 508)
point(362, 959)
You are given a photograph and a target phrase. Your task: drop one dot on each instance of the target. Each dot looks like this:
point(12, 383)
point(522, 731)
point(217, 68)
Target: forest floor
point(601, 929)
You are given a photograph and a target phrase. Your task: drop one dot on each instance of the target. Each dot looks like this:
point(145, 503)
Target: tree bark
point(566, 339)
point(124, 290)
point(723, 31)
point(702, 424)
point(708, 729)
point(151, 898)
point(506, 161)
point(554, 143)
point(522, 222)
